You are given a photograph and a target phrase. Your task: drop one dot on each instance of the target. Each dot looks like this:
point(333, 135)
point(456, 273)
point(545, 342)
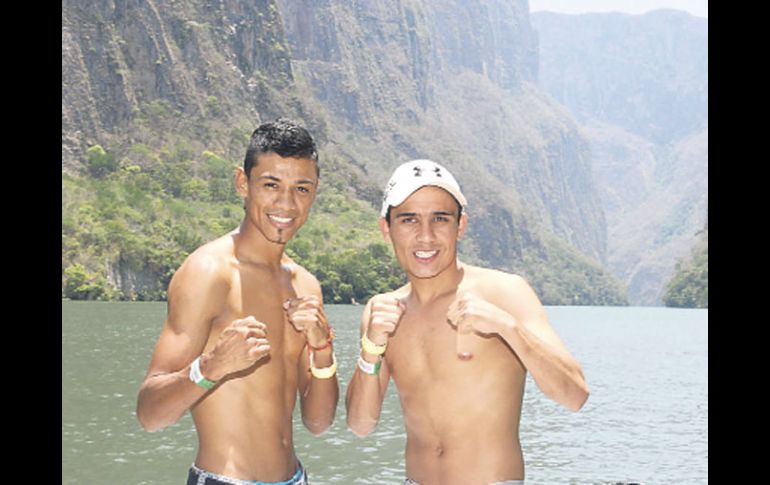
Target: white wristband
point(197, 377)
point(368, 367)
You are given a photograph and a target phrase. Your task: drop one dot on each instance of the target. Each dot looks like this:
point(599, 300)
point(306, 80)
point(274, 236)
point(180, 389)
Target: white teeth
point(281, 220)
point(425, 254)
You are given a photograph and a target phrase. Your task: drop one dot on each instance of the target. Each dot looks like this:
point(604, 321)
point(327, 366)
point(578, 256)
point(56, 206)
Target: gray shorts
point(409, 481)
point(197, 476)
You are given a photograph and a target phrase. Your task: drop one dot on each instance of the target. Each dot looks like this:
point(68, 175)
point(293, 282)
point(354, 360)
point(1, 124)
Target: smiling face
point(278, 195)
point(424, 231)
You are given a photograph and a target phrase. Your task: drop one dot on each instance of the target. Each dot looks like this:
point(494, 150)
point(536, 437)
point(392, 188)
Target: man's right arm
point(366, 391)
point(167, 391)
point(196, 296)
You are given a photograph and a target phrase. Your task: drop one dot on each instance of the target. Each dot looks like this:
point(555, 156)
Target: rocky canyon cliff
point(377, 82)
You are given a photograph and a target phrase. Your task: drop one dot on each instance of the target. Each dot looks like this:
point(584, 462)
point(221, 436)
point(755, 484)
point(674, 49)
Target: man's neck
point(426, 290)
point(251, 246)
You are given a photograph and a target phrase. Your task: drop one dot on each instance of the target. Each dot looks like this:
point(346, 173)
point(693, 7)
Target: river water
point(646, 420)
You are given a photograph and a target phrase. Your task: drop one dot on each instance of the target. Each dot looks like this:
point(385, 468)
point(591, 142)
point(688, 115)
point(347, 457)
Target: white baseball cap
point(414, 175)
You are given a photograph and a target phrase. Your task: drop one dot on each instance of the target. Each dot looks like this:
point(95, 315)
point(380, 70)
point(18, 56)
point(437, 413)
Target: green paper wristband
point(205, 383)
point(368, 367)
point(197, 377)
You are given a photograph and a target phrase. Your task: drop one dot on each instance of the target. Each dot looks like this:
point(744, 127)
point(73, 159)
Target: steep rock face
point(451, 81)
point(492, 38)
point(387, 56)
point(359, 58)
point(638, 85)
point(645, 73)
point(530, 155)
point(127, 61)
point(377, 83)
point(651, 235)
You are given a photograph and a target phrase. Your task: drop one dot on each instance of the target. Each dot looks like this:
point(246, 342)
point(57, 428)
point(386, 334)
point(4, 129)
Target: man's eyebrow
point(276, 179)
point(434, 213)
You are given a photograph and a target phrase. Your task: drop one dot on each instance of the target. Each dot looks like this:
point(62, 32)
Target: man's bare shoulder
point(509, 291)
point(305, 282)
point(201, 284)
point(488, 277)
point(399, 293)
point(208, 264)
point(497, 285)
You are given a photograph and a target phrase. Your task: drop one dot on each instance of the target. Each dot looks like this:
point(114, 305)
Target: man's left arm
point(511, 309)
point(318, 386)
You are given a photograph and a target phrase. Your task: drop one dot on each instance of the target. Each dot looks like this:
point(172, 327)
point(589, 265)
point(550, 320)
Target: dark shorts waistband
point(197, 476)
point(409, 481)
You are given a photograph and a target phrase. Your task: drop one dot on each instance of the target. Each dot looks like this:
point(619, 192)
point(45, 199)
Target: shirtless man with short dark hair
point(246, 329)
point(458, 341)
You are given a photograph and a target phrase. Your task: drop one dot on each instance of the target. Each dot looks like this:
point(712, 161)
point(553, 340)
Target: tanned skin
point(249, 312)
point(461, 398)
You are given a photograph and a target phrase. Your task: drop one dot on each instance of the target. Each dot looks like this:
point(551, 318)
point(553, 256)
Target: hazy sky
point(699, 8)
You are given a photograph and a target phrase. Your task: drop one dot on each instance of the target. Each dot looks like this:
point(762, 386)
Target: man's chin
point(282, 240)
point(280, 237)
point(423, 275)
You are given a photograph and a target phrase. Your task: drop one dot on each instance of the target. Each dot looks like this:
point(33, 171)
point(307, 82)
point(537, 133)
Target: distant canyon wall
point(377, 82)
point(638, 86)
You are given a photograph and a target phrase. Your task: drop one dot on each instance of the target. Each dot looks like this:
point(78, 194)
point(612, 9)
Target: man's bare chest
point(261, 295)
point(425, 352)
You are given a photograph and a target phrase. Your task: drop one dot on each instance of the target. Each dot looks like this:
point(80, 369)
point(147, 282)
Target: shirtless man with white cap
point(458, 341)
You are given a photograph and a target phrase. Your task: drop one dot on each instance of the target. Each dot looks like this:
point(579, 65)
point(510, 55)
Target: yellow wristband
point(325, 372)
point(371, 347)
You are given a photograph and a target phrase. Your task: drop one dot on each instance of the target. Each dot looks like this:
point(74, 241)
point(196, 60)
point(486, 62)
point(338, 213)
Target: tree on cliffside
point(689, 287)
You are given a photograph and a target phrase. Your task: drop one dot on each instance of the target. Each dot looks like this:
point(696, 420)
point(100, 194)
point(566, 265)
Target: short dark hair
point(459, 210)
point(284, 137)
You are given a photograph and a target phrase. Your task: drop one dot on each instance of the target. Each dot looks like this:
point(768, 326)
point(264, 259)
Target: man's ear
point(241, 182)
point(385, 229)
point(462, 225)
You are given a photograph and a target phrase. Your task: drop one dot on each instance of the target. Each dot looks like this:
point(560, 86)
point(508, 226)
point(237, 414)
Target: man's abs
point(462, 421)
point(464, 460)
point(245, 424)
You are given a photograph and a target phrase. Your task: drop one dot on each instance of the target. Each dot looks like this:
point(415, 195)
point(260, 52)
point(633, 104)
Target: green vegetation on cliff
point(342, 246)
point(566, 277)
point(129, 225)
point(158, 105)
point(126, 229)
point(689, 286)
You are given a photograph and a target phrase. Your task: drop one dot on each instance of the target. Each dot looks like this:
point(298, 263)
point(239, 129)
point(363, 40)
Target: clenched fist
point(306, 315)
point(240, 345)
point(469, 312)
point(385, 314)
